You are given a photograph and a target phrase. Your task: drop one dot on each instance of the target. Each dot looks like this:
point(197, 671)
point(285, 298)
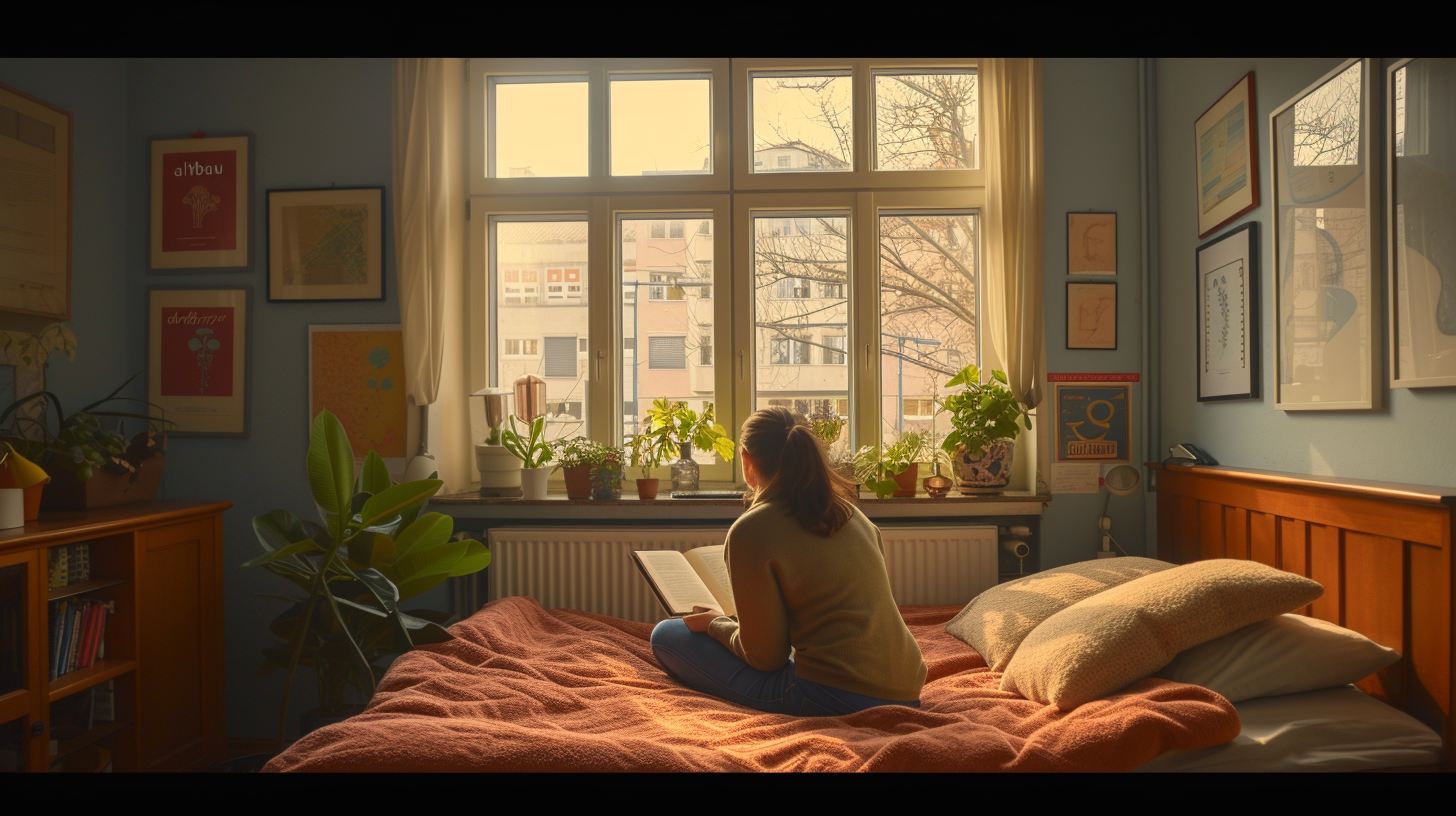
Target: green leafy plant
point(876, 468)
point(649, 449)
point(533, 450)
point(79, 442)
point(983, 413)
point(375, 549)
point(578, 451)
point(682, 425)
point(827, 426)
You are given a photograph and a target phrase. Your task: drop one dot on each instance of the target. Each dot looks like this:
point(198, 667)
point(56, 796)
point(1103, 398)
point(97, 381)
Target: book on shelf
point(68, 564)
point(104, 708)
point(682, 581)
point(57, 561)
point(78, 634)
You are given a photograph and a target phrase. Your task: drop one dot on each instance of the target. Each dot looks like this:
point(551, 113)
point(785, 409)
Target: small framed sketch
point(35, 206)
point(1228, 160)
point(1420, 161)
point(1091, 243)
point(1094, 422)
point(356, 371)
point(1326, 218)
point(326, 244)
point(1228, 315)
point(198, 358)
point(202, 194)
point(1091, 315)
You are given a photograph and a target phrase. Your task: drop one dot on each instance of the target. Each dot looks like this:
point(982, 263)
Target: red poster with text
point(199, 201)
point(197, 351)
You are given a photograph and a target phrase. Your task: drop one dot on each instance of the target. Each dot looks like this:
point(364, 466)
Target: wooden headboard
point(1381, 550)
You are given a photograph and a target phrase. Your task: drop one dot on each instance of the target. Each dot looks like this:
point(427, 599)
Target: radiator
point(593, 570)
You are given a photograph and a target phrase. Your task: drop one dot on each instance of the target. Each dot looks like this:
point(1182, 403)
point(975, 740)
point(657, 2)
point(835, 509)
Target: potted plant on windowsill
point(576, 458)
point(646, 451)
point(894, 469)
point(829, 427)
point(687, 429)
point(985, 419)
point(534, 452)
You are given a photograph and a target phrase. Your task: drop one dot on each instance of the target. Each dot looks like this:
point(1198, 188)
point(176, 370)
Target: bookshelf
point(138, 685)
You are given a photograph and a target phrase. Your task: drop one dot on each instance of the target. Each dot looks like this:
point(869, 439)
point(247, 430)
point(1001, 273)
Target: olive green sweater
point(827, 598)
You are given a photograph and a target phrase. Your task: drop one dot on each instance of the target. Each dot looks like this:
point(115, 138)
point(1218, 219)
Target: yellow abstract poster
point(357, 373)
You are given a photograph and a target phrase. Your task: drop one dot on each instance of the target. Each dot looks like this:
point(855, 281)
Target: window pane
point(670, 257)
point(926, 121)
point(538, 128)
point(543, 334)
point(928, 292)
point(799, 330)
point(802, 124)
point(661, 127)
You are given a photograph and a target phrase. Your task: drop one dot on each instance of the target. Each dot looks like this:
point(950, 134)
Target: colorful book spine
point(88, 636)
point(58, 618)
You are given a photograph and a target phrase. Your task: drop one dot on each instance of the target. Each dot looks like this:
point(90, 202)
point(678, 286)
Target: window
point(831, 290)
point(538, 126)
point(565, 411)
point(705, 347)
point(657, 292)
point(560, 357)
point(834, 346)
point(926, 121)
point(518, 348)
point(918, 407)
point(660, 125)
point(667, 352)
point(802, 121)
point(581, 345)
point(787, 351)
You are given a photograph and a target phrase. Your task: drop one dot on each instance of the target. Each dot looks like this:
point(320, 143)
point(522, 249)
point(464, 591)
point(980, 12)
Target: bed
point(528, 689)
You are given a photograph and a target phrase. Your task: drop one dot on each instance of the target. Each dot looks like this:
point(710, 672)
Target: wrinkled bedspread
point(527, 689)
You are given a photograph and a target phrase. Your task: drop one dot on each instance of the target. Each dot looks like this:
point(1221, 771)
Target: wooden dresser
point(158, 566)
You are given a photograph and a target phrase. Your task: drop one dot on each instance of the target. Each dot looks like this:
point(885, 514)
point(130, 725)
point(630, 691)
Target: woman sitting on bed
point(818, 632)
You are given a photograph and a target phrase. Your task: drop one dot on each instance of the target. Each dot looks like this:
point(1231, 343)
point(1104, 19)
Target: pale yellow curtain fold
point(1011, 132)
point(429, 244)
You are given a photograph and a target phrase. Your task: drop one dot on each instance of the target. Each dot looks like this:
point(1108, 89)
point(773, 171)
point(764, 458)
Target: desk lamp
point(1121, 480)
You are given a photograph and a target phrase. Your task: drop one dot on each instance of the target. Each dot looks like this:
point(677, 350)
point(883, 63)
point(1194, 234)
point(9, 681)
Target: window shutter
point(667, 352)
point(561, 356)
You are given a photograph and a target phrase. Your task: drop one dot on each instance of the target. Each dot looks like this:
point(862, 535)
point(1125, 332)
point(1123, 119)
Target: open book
point(682, 580)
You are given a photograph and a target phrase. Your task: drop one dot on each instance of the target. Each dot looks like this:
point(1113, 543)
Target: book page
point(675, 580)
point(709, 564)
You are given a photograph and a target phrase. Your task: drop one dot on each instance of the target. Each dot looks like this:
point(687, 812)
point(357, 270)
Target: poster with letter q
point(201, 201)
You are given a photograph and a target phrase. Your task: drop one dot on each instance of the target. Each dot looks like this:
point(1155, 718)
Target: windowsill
point(470, 504)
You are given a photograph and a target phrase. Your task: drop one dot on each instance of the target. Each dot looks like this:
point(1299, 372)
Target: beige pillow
point(1127, 633)
point(995, 622)
point(1283, 655)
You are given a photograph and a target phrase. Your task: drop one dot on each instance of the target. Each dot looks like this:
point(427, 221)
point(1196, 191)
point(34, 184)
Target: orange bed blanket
point(526, 689)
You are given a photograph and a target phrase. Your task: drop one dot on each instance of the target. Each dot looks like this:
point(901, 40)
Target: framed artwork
point(326, 244)
point(1228, 315)
point(1326, 233)
point(1091, 315)
point(1091, 243)
point(35, 206)
point(1228, 158)
point(198, 358)
point(356, 371)
point(1420, 165)
point(202, 201)
point(1094, 422)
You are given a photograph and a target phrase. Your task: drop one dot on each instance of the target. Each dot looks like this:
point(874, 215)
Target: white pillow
point(1282, 655)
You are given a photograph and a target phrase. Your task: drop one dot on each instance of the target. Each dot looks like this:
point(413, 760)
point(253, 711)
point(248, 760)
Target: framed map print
point(198, 358)
point(1094, 422)
point(1228, 158)
point(202, 201)
point(1326, 233)
point(35, 206)
point(1092, 316)
point(326, 244)
point(1228, 315)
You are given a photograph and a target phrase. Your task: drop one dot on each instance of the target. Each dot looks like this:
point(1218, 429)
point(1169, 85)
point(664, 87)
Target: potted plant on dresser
point(985, 419)
point(534, 452)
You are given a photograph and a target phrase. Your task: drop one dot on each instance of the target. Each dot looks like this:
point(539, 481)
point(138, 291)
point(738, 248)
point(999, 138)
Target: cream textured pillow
point(995, 622)
point(1282, 655)
point(1127, 633)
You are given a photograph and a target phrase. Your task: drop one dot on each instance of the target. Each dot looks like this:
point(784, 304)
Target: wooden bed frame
point(1382, 551)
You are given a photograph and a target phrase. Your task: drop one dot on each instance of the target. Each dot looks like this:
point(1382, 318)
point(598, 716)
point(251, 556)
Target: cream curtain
point(1011, 132)
point(429, 245)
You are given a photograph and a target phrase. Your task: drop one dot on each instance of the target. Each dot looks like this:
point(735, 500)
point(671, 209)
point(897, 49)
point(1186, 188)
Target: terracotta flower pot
point(104, 488)
point(647, 488)
point(578, 481)
point(905, 482)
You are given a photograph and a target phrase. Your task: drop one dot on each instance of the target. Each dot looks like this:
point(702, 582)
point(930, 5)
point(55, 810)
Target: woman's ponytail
point(794, 469)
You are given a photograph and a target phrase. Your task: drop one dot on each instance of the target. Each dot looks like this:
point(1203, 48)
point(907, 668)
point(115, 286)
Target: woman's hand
point(699, 622)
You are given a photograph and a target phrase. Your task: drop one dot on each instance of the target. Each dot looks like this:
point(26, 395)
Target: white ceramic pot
point(498, 467)
point(990, 473)
point(533, 482)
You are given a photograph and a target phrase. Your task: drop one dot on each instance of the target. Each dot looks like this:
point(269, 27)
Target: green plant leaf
point(428, 530)
point(374, 476)
point(374, 550)
point(423, 632)
point(277, 529)
point(394, 499)
point(475, 559)
point(331, 467)
point(306, 545)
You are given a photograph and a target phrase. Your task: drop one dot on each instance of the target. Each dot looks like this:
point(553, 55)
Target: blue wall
point(1412, 438)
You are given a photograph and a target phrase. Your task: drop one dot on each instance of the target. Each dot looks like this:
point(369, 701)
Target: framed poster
point(1420, 166)
point(1091, 243)
point(202, 194)
point(35, 206)
point(1094, 422)
point(198, 358)
point(326, 244)
point(1228, 315)
point(1228, 159)
point(356, 371)
point(1091, 315)
point(1326, 242)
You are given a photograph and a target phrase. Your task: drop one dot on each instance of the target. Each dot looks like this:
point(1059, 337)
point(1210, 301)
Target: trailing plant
point(533, 450)
point(80, 443)
point(578, 451)
point(983, 413)
point(826, 425)
point(682, 425)
point(876, 468)
point(375, 549)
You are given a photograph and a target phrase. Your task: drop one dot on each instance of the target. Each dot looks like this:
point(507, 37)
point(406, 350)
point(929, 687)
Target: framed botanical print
point(1094, 422)
point(1228, 158)
point(1326, 239)
point(198, 358)
point(1091, 315)
point(1091, 243)
point(326, 244)
point(1420, 166)
point(1228, 315)
point(35, 206)
point(201, 207)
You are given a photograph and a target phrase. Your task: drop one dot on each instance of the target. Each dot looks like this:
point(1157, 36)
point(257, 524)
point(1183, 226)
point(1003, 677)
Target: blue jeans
point(701, 663)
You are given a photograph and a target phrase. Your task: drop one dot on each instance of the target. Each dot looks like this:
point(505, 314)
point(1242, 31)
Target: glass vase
point(685, 470)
